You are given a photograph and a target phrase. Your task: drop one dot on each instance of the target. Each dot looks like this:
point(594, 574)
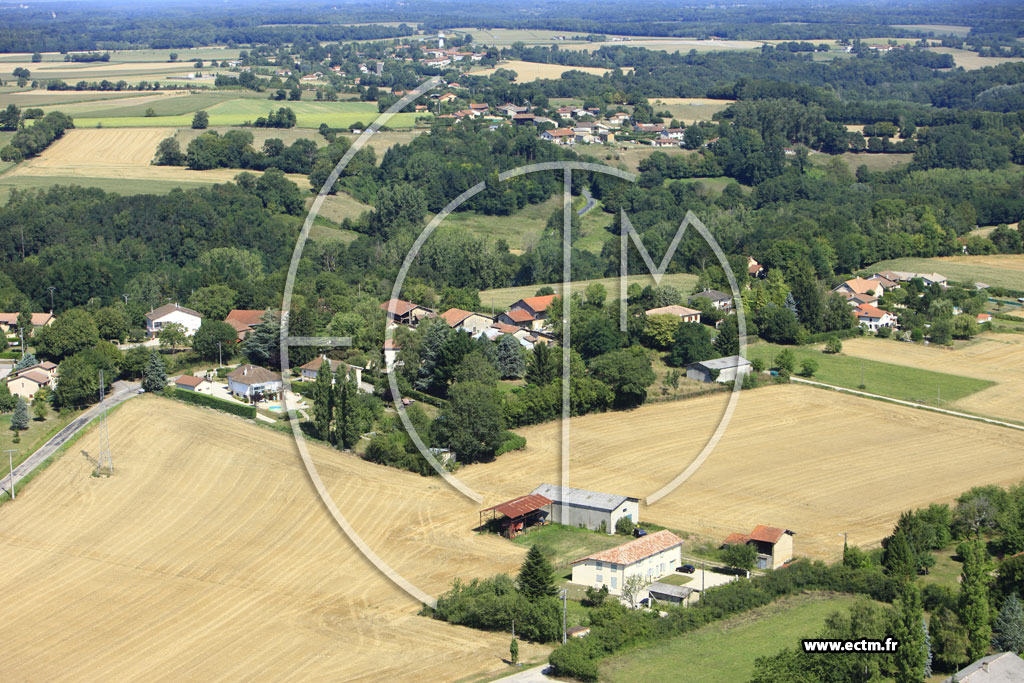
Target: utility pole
point(938, 398)
point(220, 358)
point(103, 458)
point(844, 534)
point(125, 297)
point(51, 288)
point(10, 461)
point(565, 595)
point(22, 333)
point(702, 577)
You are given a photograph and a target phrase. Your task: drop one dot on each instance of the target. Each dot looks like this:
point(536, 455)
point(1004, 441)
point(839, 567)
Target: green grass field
point(895, 381)
point(1001, 270)
point(503, 297)
point(874, 162)
point(121, 186)
point(946, 571)
point(237, 111)
point(32, 438)
point(521, 230)
point(63, 99)
point(724, 652)
point(563, 544)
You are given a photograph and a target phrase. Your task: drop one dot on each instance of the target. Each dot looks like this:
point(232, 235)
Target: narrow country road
point(922, 406)
point(589, 205)
point(122, 391)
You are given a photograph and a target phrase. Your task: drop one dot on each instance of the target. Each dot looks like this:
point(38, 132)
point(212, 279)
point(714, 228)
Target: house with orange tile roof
point(400, 312)
point(27, 381)
point(467, 321)
point(859, 285)
point(774, 545)
point(537, 306)
point(649, 557)
point(873, 318)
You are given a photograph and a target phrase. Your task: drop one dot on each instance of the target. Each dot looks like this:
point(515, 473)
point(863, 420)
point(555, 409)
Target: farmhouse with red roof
point(774, 545)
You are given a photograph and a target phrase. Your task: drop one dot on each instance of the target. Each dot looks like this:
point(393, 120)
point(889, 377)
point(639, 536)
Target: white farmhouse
point(590, 509)
point(650, 557)
point(158, 318)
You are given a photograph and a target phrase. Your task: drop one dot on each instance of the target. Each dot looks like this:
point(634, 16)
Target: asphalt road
point(122, 392)
point(589, 205)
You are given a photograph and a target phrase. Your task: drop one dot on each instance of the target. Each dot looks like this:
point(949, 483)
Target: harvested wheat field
point(123, 153)
point(993, 356)
point(533, 71)
point(817, 462)
point(208, 556)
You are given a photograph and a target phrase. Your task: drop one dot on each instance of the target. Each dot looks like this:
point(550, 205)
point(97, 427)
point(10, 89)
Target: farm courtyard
point(208, 553)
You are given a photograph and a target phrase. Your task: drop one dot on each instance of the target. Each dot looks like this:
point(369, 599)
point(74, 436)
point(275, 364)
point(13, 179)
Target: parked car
point(638, 532)
point(686, 569)
point(645, 602)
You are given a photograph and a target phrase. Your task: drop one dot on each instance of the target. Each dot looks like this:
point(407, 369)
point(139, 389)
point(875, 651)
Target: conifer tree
point(536, 579)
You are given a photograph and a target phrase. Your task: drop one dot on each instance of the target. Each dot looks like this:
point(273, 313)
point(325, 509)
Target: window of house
point(614, 582)
point(600, 565)
point(600, 578)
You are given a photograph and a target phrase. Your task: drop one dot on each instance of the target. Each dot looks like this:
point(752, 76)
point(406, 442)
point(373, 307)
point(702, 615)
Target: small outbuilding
point(519, 513)
point(725, 369)
point(199, 385)
point(667, 592)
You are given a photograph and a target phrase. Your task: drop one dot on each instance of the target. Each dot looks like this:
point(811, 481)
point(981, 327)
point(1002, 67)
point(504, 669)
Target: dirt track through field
point(208, 556)
point(993, 356)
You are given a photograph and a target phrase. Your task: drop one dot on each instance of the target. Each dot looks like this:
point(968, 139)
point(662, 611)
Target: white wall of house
point(201, 388)
point(595, 573)
point(190, 322)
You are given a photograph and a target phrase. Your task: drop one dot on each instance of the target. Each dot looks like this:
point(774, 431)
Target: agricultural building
point(589, 509)
point(519, 513)
point(725, 369)
point(774, 545)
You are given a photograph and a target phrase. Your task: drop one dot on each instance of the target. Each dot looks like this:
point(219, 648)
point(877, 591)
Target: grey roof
point(1005, 667)
point(680, 592)
point(581, 497)
point(712, 294)
point(721, 363)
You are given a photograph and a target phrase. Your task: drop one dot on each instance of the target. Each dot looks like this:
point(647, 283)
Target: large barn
point(578, 507)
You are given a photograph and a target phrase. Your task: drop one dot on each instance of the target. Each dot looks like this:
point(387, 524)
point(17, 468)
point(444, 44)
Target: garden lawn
point(724, 652)
point(563, 544)
point(887, 379)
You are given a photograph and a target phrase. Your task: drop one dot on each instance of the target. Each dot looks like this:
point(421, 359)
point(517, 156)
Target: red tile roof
point(454, 316)
point(519, 315)
point(397, 306)
point(247, 317)
point(766, 534)
point(517, 507)
point(189, 381)
point(32, 376)
point(638, 549)
point(505, 328)
point(539, 303)
point(38, 319)
point(253, 374)
point(869, 311)
point(736, 539)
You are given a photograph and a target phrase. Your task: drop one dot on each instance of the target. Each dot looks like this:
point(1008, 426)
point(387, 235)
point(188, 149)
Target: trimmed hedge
point(212, 402)
point(425, 398)
point(510, 442)
point(10, 355)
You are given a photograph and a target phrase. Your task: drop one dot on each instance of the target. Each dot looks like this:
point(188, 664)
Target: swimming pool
point(274, 409)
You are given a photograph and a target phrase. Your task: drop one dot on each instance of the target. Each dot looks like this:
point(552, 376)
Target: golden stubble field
point(993, 356)
point(817, 462)
point(208, 556)
point(123, 153)
point(532, 71)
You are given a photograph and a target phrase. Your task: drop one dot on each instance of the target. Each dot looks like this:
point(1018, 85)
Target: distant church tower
point(440, 40)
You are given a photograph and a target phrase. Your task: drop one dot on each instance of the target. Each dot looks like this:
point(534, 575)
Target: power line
point(104, 454)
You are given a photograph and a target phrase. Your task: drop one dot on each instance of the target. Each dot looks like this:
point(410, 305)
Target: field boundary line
point(911, 404)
